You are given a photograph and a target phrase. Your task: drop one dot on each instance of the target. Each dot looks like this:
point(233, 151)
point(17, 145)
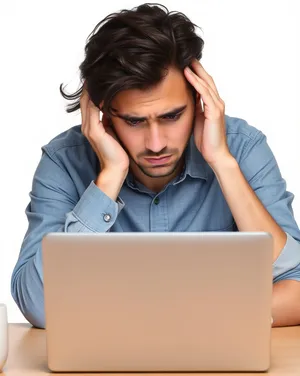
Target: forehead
point(172, 91)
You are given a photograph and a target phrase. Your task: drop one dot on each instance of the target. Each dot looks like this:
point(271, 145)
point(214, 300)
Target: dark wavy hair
point(133, 49)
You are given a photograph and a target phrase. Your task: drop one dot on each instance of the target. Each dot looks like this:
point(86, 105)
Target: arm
point(286, 297)
point(55, 207)
point(256, 194)
point(248, 211)
point(286, 302)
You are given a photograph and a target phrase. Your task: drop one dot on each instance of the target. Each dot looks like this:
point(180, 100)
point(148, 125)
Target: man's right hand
point(101, 136)
point(113, 159)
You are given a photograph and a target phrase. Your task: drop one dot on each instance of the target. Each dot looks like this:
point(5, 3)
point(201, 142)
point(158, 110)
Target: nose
point(155, 139)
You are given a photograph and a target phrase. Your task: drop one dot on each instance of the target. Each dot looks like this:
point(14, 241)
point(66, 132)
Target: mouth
point(158, 161)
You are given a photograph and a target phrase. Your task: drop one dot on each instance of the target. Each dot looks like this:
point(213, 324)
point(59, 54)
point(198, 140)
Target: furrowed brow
point(129, 117)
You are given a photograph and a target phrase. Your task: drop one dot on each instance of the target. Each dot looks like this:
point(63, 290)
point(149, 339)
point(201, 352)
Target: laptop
point(155, 302)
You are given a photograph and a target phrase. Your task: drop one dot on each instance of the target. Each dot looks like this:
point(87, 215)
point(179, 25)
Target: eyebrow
point(129, 117)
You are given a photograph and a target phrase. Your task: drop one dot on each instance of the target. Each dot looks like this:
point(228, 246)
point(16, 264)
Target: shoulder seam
point(251, 137)
point(258, 133)
point(53, 151)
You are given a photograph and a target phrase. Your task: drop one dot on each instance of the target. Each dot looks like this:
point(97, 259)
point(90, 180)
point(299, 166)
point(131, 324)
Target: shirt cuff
point(289, 257)
point(95, 210)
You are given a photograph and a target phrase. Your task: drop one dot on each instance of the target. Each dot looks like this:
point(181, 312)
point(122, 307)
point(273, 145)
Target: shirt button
point(107, 217)
point(156, 200)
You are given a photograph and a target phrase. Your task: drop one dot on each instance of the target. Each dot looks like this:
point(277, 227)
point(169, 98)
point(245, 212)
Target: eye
point(172, 117)
point(133, 123)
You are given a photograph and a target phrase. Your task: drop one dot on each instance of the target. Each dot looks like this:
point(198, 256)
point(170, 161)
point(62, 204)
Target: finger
point(85, 121)
point(94, 125)
point(201, 72)
point(208, 96)
point(84, 99)
point(205, 84)
point(211, 91)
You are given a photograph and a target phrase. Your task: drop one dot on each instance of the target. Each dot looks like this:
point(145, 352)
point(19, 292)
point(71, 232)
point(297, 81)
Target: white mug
point(3, 336)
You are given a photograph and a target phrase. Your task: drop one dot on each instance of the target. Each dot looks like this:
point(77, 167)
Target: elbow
point(286, 303)
point(27, 293)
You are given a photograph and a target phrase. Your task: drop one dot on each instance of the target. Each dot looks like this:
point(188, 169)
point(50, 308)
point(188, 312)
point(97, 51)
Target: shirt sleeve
point(261, 170)
point(54, 207)
point(284, 268)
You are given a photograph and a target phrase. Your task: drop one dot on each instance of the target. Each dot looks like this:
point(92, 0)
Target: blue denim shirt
point(64, 198)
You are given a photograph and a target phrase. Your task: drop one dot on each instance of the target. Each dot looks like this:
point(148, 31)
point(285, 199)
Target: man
point(163, 157)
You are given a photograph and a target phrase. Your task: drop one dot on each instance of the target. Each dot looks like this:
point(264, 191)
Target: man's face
point(155, 143)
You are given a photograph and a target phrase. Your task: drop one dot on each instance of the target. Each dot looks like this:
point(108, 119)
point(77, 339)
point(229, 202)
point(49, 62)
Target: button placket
point(158, 214)
point(156, 200)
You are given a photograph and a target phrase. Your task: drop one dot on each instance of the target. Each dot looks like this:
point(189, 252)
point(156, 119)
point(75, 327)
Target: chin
point(158, 171)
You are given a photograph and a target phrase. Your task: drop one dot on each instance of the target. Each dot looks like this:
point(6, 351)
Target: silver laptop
point(158, 301)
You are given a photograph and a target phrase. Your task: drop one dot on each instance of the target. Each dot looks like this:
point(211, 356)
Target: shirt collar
point(195, 164)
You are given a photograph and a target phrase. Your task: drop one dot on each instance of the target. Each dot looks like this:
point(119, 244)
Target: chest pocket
point(219, 216)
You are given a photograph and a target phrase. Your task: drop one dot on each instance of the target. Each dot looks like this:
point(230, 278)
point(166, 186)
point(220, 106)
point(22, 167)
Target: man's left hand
point(210, 130)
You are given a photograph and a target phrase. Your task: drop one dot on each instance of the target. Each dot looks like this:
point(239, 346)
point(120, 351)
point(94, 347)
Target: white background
point(251, 50)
